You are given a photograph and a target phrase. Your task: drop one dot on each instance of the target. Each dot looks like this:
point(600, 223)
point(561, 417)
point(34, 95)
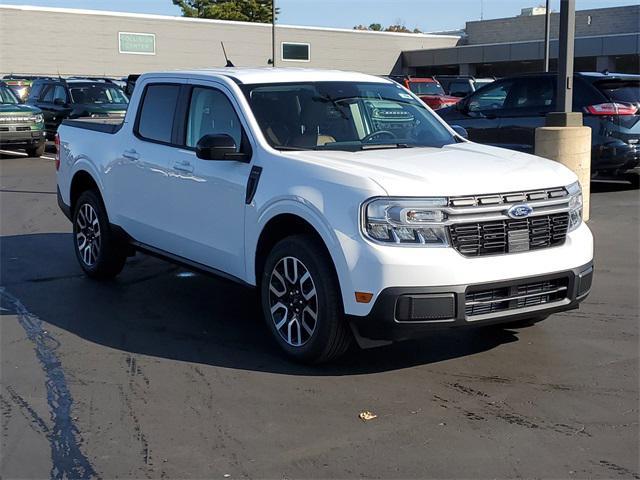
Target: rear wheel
point(634, 179)
point(301, 301)
point(99, 252)
point(37, 151)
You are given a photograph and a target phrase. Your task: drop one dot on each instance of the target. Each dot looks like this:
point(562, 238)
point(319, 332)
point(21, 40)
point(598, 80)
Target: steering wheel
point(373, 135)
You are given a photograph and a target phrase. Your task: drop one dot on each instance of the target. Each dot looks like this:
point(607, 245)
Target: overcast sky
point(427, 15)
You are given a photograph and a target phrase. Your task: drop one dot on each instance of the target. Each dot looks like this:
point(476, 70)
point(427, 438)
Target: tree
point(239, 10)
point(397, 28)
point(377, 27)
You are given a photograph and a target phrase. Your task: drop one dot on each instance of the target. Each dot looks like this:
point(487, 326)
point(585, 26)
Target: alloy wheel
point(293, 301)
point(88, 238)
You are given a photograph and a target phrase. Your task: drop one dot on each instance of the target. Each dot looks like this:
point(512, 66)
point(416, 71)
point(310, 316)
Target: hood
point(454, 170)
point(19, 108)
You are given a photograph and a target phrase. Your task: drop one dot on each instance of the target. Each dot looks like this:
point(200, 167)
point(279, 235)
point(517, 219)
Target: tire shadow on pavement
point(158, 309)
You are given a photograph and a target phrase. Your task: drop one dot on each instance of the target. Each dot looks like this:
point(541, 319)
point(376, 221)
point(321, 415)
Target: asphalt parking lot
point(163, 373)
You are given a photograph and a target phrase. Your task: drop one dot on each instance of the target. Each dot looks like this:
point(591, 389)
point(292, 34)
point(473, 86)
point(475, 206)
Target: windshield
point(343, 116)
point(7, 96)
point(426, 88)
point(627, 91)
point(97, 94)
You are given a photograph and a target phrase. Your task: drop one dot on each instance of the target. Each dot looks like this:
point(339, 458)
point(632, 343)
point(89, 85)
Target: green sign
point(137, 43)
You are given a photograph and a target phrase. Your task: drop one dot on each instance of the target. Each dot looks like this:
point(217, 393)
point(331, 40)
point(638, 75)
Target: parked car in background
point(428, 89)
point(116, 81)
point(462, 85)
point(20, 84)
point(21, 126)
point(352, 208)
point(507, 112)
point(74, 98)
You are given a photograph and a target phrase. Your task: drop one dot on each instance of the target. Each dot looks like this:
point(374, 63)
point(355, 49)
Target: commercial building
point(89, 42)
point(606, 38)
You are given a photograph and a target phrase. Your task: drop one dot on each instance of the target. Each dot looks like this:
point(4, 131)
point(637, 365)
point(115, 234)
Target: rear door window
point(531, 96)
point(490, 100)
point(155, 119)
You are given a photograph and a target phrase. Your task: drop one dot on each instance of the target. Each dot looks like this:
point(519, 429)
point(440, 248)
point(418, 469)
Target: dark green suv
point(60, 99)
point(21, 126)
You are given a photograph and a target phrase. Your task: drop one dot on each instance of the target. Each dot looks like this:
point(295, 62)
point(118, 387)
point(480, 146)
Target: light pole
point(547, 34)
point(273, 33)
point(565, 54)
point(564, 138)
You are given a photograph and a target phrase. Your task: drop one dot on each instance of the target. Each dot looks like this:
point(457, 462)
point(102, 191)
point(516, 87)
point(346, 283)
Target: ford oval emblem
point(520, 211)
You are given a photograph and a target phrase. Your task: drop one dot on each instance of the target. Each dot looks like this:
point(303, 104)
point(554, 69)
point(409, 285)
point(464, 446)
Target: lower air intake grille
point(483, 301)
point(509, 236)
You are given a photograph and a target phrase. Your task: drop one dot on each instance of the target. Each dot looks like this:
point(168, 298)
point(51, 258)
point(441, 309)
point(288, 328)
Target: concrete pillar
point(467, 69)
point(570, 146)
point(605, 63)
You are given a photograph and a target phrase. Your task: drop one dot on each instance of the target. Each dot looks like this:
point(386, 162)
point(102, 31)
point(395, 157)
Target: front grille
point(509, 236)
point(504, 198)
point(17, 119)
point(484, 301)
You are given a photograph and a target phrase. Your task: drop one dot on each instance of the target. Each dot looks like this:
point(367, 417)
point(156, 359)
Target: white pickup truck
point(355, 211)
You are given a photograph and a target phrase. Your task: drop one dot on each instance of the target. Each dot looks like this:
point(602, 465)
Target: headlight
point(575, 206)
point(405, 221)
point(38, 118)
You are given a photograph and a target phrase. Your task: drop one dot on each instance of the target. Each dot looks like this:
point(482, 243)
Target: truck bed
point(103, 125)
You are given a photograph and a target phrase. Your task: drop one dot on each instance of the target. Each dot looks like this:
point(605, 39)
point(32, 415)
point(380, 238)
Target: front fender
point(306, 210)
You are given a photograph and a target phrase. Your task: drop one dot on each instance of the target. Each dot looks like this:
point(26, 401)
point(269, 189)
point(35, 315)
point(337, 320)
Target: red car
point(430, 92)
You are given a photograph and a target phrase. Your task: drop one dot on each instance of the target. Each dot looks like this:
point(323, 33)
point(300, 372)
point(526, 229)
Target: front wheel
point(301, 301)
point(99, 252)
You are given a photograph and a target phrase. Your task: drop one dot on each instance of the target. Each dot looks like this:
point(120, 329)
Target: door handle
point(183, 166)
point(131, 154)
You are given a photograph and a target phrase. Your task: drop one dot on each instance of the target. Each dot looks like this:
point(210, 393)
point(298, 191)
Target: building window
point(296, 52)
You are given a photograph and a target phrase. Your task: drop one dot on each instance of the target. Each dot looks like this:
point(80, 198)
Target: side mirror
point(460, 131)
point(220, 146)
point(60, 102)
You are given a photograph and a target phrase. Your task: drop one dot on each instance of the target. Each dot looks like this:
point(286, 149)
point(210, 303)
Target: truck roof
point(273, 75)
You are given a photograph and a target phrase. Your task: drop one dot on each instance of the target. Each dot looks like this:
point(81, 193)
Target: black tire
point(331, 336)
point(634, 180)
point(36, 151)
point(102, 256)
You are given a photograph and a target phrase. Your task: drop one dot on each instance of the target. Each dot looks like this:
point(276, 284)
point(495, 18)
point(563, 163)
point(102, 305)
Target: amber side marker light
point(363, 297)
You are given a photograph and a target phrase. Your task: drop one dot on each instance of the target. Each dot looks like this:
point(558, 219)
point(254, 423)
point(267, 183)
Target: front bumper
point(615, 157)
point(401, 313)
point(23, 138)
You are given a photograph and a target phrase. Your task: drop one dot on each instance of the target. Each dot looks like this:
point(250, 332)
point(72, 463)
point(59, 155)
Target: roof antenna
point(229, 64)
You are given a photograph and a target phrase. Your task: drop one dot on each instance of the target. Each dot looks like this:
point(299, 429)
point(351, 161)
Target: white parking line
point(48, 158)
point(9, 152)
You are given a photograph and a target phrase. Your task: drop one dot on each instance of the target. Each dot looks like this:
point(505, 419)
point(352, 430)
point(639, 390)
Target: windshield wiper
point(284, 147)
point(381, 146)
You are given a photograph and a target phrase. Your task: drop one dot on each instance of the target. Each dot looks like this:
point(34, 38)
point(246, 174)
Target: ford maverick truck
point(355, 212)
